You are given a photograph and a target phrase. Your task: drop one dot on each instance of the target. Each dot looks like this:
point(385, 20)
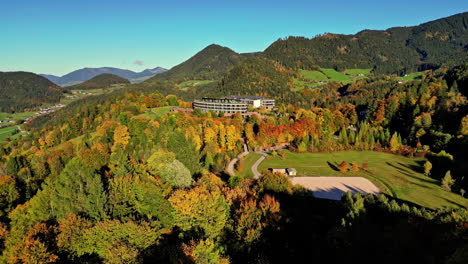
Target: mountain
point(85, 74)
point(105, 80)
point(208, 64)
point(395, 50)
point(22, 90)
point(50, 77)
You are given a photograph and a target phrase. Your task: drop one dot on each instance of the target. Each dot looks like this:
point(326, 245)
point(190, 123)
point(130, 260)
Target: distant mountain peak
point(88, 73)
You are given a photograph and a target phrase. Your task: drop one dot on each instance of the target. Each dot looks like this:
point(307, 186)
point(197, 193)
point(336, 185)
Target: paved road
point(230, 168)
point(255, 165)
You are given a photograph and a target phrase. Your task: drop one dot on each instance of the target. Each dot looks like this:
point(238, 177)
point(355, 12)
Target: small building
point(291, 171)
point(284, 171)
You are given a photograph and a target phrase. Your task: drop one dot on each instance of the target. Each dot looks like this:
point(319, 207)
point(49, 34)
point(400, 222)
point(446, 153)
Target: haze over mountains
point(85, 74)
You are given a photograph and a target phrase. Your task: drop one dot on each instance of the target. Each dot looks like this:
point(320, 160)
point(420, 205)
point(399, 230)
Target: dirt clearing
point(334, 187)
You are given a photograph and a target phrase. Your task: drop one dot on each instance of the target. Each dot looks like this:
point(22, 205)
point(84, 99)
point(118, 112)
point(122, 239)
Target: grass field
point(310, 79)
point(158, 111)
point(397, 176)
point(7, 132)
point(192, 83)
point(313, 75)
point(335, 76)
point(355, 72)
point(412, 76)
point(249, 160)
point(17, 116)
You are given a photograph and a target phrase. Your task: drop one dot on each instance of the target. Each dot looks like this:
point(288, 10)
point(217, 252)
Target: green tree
point(79, 190)
point(138, 197)
point(176, 174)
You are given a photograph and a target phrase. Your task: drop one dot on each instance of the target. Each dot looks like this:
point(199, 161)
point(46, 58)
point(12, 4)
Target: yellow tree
point(121, 137)
point(199, 208)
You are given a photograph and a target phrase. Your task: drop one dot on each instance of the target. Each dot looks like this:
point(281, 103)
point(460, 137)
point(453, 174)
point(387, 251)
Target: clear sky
point(59, 36)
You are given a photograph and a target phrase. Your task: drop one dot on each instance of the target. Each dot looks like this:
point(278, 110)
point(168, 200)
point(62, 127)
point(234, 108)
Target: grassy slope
point(335, 76)
point(7, 131)
point(412, 76)
point(158, 111)
point(354, 72)
point(249, 160)
point(395, 175)
point(16, 116)
point(192, 83)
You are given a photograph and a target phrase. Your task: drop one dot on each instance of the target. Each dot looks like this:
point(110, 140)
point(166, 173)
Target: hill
point(104, 80)
point(22, 90)
point(395, 50)
point(208, 64)
point(85, 74)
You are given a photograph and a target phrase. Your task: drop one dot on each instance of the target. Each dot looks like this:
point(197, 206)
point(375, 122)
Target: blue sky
point(59, 36)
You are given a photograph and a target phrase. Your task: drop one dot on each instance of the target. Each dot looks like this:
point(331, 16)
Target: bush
point(275, 182)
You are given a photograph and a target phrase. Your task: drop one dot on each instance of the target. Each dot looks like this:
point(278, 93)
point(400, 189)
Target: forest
point(22, 91)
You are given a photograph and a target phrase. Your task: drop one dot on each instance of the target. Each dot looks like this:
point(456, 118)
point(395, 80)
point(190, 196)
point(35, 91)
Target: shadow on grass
point(333, 166)
point(407, 173)
point(416, 168)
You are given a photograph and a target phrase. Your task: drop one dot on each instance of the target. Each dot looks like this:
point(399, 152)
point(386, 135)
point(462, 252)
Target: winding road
point(257, 174)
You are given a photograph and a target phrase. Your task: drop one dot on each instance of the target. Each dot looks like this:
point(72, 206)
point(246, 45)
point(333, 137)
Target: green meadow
point(398, 176)
point(7, 132)
point(248, 162)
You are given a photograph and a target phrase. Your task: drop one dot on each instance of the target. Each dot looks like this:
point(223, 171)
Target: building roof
point(250, 97)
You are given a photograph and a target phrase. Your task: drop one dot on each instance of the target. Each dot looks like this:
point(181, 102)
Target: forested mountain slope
point(22, 90)
point(208, 64)
point(395, 50)
point(104, 80)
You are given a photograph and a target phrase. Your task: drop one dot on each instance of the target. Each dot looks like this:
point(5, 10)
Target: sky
point(60, 36)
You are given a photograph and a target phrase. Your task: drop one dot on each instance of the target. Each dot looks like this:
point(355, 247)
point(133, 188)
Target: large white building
point(232, 104)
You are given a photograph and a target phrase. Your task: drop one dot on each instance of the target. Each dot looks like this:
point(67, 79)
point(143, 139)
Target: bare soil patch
point(333, 188)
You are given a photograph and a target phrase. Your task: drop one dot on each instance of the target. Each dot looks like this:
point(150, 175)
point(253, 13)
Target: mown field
point(397, 176)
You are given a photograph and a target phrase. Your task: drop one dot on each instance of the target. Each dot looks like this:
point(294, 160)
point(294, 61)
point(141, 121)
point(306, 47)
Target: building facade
point(232, 104)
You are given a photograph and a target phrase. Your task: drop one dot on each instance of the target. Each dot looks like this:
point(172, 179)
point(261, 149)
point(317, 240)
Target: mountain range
point(102, 81)
point(398, 50)
point(85, 74)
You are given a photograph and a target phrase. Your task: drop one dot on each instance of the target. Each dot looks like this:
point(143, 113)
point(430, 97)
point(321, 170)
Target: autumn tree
point(275, 182)
point(427, 168)
point(176, 174)
point(354, 166)
point(204, 252)
point(343, 167)
point(200, 209)
point(394, 144)
point(447, 181)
